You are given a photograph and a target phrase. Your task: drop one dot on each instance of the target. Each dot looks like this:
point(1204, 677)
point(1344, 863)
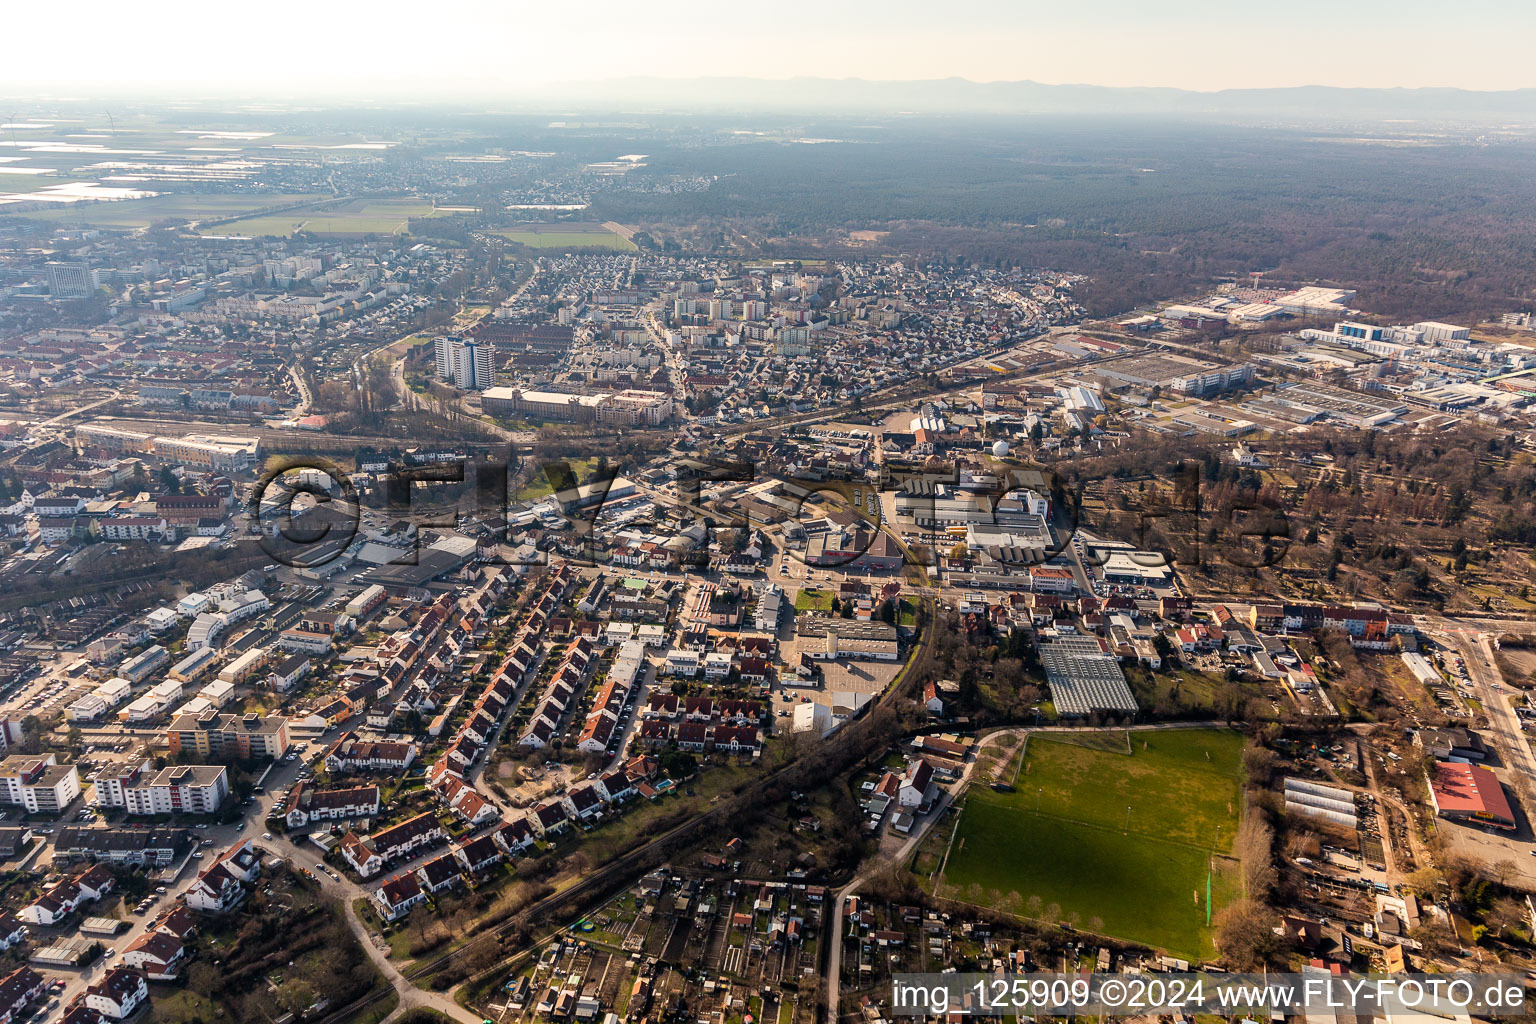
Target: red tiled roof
point(1470, 789)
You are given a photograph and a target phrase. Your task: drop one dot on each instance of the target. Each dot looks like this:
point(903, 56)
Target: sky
point(497, 47)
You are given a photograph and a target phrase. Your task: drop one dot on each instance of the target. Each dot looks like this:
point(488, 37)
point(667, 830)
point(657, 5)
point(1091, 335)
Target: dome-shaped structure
point(1000, 449)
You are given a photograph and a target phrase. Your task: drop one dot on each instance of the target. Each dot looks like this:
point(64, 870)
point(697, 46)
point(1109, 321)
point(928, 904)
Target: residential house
point(119, 993)
point(158, 955)
point(395, 898)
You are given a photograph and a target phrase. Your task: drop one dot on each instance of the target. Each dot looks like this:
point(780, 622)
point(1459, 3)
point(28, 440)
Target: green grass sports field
point(1062, 835)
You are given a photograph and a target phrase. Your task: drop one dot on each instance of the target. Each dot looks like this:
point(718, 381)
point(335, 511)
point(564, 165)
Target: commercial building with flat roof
point(631, 407)
point(210, 451)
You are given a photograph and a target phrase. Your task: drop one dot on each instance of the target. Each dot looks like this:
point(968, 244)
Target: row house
point(736, 739)
point(540, 732)
point(550, 817)
point(18, 991)
point(410, 835)
point(756, 670)
point(583, 802)
point(516, 836)
point(119, 993)
point(616, 783)
point(439, 873)
point(62, 898)
point(480, 727)
point(566, 681)
point(700, 737)
point(461, 753)
point(598, 730)
point(463, 799)
point(479, 854)
point(368, 856)
point(350, 754)
point(610, 701)
point(672, 708)
point(307, 804)
point(395, 898)
point(518, 662)
point(691, 736)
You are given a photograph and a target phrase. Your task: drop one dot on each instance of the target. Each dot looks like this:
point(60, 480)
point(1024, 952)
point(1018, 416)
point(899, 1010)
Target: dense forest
point(1422, 226)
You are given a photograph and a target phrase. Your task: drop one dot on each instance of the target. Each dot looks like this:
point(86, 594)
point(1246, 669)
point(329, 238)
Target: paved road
point(409, 995)
point(1472, 639)
point(306, 400)
point(300, 854)
point(223, 836)
point(61, 417)
point(879, 863)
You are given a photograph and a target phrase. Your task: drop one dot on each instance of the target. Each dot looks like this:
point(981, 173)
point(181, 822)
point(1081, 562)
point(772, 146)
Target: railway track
point(619, 870)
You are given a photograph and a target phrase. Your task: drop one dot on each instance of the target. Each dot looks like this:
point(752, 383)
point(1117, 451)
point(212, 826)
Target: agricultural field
point(129, 214)
point(1117, 842)
point(12, 183)
point(359, 217)
point(566, 236)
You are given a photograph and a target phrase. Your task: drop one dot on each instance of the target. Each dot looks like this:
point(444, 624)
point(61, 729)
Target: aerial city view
point(682, 515)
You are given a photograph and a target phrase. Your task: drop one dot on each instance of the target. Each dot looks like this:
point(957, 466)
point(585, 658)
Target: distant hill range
point(959, 96)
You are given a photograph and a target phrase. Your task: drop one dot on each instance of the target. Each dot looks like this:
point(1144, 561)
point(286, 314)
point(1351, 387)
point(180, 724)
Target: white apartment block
point(468, 362)
point(178, 789)
point(38, 783)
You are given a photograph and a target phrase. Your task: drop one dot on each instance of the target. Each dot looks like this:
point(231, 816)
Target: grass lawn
point(1192, 689)
point(1116, 741)
point(288, 934)
point(567, 236)
point(812, 600)
point(182, 1005)
point(618, 835)
point(399, 942)
point(538, 486)
point(1062, 834)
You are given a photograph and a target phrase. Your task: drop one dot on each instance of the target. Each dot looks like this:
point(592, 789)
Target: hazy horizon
point(466, 48)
